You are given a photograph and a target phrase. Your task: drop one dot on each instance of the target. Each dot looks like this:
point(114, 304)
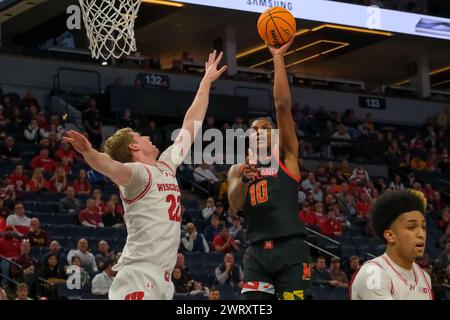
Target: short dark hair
point(389, 206)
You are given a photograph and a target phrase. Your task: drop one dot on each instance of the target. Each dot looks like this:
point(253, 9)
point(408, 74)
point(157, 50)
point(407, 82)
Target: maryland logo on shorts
point(294, 295)
point(306, 275)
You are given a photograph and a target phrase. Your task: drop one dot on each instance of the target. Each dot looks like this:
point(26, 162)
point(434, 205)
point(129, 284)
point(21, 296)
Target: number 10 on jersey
point(258, 193)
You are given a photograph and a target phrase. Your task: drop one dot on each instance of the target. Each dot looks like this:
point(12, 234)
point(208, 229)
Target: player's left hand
point(80, 143)
point(281, 51)
point(211, 72)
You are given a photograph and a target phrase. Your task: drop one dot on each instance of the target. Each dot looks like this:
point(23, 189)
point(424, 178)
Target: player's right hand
point(80, 143)
point(250, 171)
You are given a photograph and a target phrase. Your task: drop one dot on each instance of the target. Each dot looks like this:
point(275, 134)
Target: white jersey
point(152, 204)
point(382, 279)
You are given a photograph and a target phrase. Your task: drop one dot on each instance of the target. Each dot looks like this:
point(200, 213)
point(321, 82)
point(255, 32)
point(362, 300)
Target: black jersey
point(271, 206)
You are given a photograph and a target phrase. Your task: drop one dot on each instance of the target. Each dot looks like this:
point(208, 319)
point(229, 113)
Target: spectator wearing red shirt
point(99, 203)
point(37, 182)
point(29, 265)
point(319, 212)
point(19, 179)
point(66, 151)
point(334, 187)
point(90, 217)
point(82, 184)
point(58, 183)
point(308, 216)
point(224, 242)
point(443, 222)
point(428, 192)
point(359, 173)
point(43, 161)
point(9, 248)
point(436, 204)
point(330, 226)
point(363, 206)
point(119, 208)
point(36, 235)
point(65, 163)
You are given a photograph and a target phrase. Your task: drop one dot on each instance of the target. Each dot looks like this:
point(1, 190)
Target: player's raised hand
point(281, 51)
point(211, 72)
point(80, 143)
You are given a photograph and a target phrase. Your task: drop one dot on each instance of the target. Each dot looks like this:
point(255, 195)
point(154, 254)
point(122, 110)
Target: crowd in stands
point(335, 199)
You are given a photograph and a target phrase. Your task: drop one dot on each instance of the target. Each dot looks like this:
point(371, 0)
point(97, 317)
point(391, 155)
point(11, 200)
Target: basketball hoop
point(110, 26)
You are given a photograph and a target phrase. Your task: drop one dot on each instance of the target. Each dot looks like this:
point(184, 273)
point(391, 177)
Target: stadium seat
point(348, 250)
point(226, 292)
point(194, 260)
point(69, 294)
point(52, 196)
point(214, 259)
point(30, 196)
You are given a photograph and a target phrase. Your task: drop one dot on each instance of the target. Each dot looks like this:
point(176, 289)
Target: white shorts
point(141, 282)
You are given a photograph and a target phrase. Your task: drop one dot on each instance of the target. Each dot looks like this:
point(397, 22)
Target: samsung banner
point(346, 14)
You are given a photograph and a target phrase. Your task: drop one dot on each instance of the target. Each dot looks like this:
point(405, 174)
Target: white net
point(110, 26)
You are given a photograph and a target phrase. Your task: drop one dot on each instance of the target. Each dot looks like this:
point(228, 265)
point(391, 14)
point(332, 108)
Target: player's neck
point(398, 259)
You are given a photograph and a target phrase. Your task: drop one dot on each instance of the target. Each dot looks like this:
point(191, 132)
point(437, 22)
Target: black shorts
point(281, 267)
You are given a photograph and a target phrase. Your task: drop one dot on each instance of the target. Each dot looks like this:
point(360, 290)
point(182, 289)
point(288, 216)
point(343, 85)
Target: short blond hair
point(117, 145)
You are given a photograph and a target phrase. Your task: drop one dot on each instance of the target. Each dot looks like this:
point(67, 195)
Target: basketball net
point(110, 26)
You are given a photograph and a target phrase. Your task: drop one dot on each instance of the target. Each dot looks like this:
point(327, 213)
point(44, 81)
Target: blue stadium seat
point(362, 249)
point(348, 250)
point(52, 196)
point(194, 260)
point(35, 252)
point(214, 259)
point(107, 232)
point(63, 218)
point(226, 292)
point(181, 296)
point(30, 196)
point(70, 294)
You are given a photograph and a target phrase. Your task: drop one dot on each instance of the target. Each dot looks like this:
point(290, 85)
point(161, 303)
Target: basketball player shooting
point(398, 219)
point(151, 197)
point(277, 261)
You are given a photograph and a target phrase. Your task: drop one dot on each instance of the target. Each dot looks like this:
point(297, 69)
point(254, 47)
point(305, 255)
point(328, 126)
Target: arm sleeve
point(205, 244)
point(139, 182)
point(371, 283)
point(172, 157)
point(221, 277)
point(188, 243)
point(94, 264)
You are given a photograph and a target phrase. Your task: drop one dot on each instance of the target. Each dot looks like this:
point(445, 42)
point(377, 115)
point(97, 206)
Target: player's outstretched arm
point(101, 162)
point(197, 111)
point(286, 125)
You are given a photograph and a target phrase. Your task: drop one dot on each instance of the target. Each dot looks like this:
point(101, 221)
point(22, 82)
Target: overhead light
point(165, 3)
point(334, 26)
point(340, 46)
point(104, 63)
point(264, 46)
point(303, 60)
point(432, 73)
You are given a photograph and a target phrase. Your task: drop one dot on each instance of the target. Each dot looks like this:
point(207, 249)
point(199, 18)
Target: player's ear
point(389, 236)
point(133, 147)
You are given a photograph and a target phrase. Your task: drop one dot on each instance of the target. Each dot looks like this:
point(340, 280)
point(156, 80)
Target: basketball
point(276, 26)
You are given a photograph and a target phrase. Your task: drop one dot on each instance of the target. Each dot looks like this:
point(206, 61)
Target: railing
point(11, 262)
point(322, 250)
